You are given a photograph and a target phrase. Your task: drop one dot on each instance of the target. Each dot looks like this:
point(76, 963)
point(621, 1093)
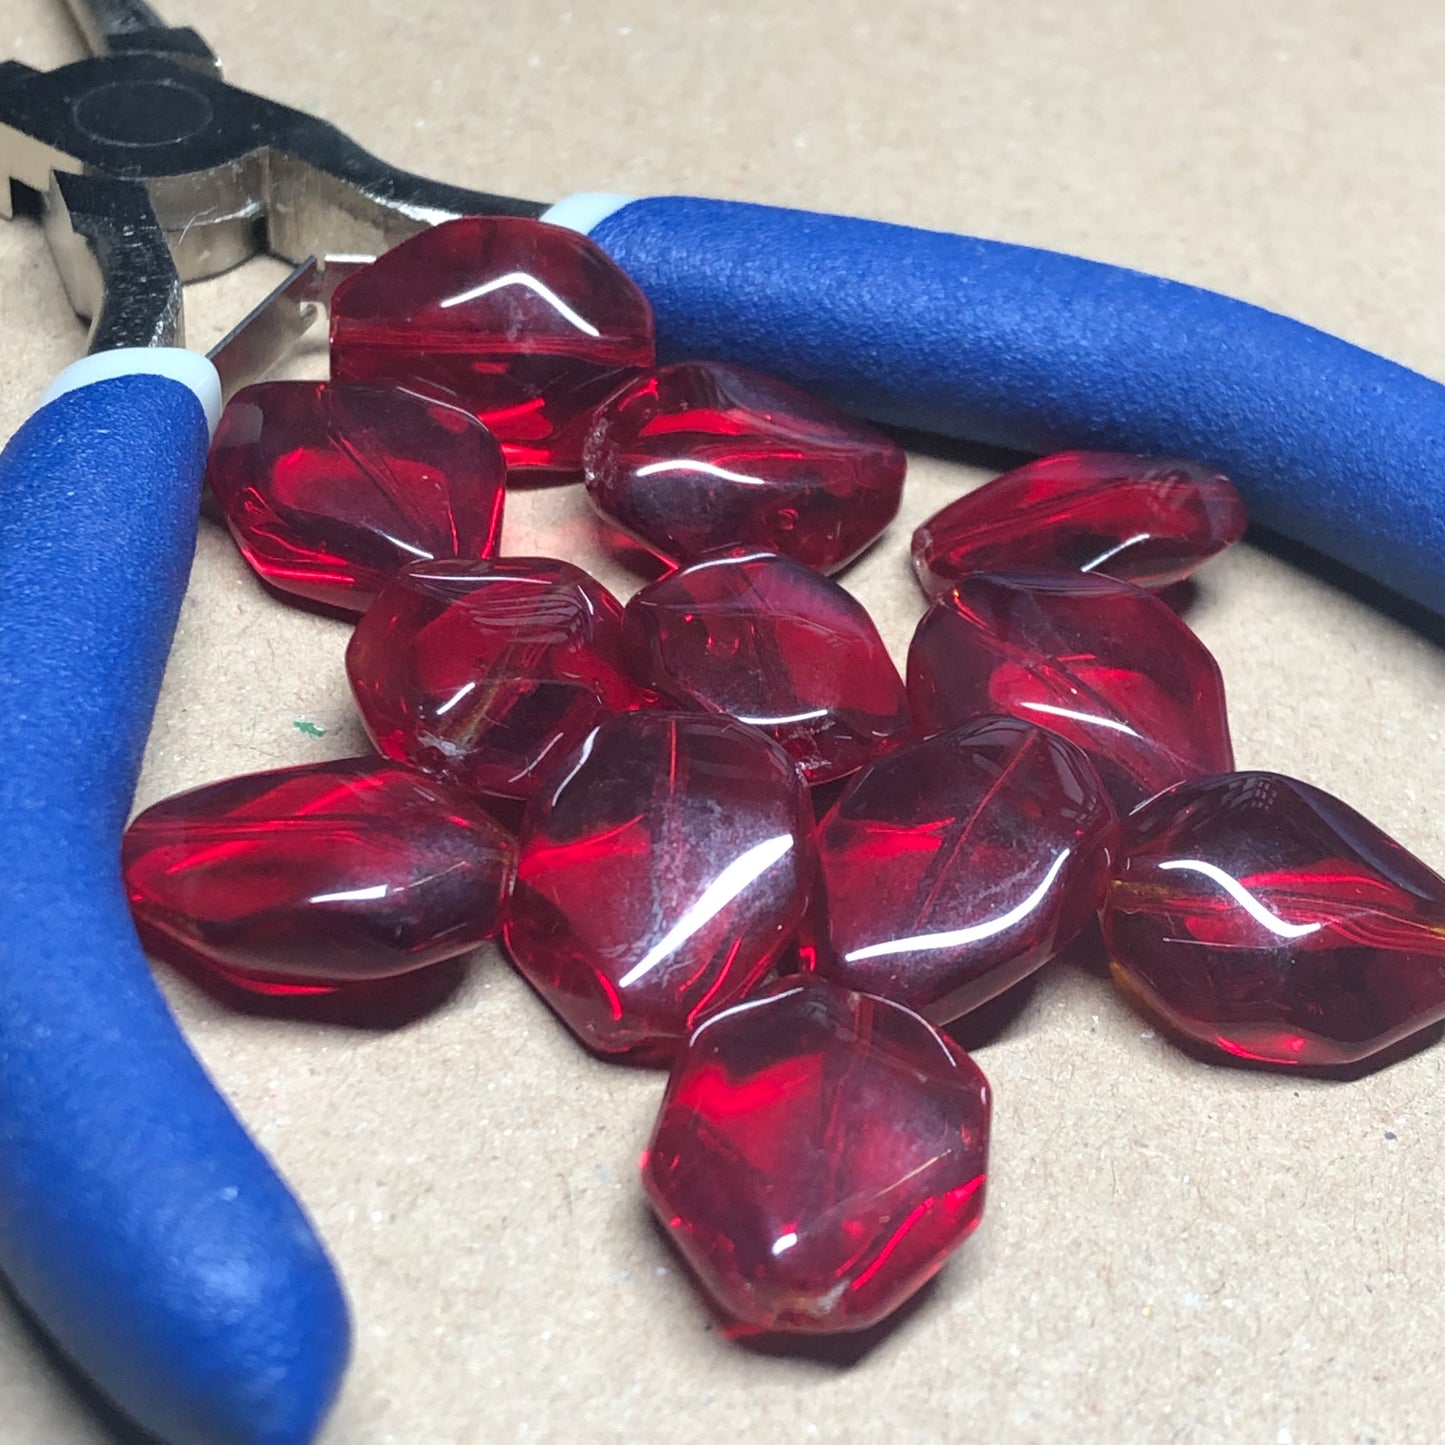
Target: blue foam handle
point(1330, 445)
point(138, 1222)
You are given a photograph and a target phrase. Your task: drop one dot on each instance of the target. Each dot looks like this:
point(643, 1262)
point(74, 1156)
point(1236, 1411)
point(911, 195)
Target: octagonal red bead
point(1099, 661)
point(485, 672)
point(771, 642)
point(955, 866)
point(1265, 918)
point(1148, 520)
point(306, 879)
point(818, 1155)
point(329, 490)
point(663, 866)
point(696, 457)
point(527, 325)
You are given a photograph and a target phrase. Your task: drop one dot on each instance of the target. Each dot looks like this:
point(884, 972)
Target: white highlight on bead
point(1243, 897)
point(353, 895)
point(741, 873)
point(536, 287)
point(585, 211)
point(974, 933)
point(189, 368)
point(1093, 719)
point(707, 469)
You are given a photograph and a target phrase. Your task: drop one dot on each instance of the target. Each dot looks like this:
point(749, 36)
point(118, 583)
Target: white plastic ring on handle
point(189, 368)
point(585, 211)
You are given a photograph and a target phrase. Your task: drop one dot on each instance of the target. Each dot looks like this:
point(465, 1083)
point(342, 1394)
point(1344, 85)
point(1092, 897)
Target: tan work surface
point(1172, 1251)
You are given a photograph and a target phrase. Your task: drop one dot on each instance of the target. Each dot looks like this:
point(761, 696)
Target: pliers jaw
point(128, 27)
point(144, 118)
point(215, 173)
point(114, 261)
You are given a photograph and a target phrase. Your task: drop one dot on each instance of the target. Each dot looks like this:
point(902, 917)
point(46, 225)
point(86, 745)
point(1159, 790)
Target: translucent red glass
point(310, 878)
point(692, 458)
point(1265, 918)
point(663, 866)
point(954, 867)
point(1099, 661)
point(329, 490)
point(1148, 520)
point(485, 672)
point(771, 642)
point(527, 325)
point(818, 1155)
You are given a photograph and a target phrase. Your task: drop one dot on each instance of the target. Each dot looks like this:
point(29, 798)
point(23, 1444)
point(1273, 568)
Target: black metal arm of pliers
point(144, 149)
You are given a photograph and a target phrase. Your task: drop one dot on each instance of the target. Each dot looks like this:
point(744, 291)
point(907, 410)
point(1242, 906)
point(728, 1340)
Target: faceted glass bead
point(771, 642)
point(485, 672)
point(1100, 662)
point(309, 878)
point(527, 325)
point(1148, 520)
point(955, 866)
point(329, 490)
point(1265, 918)
point(663, 866)
point(692, 458)
point(818, 1155)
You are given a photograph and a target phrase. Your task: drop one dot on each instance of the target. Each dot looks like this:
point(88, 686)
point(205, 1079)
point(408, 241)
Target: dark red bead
point(1148, 520)
point(771, 642)
point(310, 878)
point(1098, 661)
point(329, 490)
point(818, 1155)
point(1263, 917)
point(692, 458)
point(527, 325)
point(485, 672)
point(663, 866)
point(955, 866)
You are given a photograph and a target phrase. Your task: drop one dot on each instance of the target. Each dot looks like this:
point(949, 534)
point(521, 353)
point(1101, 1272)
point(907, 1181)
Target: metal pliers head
point(152, 171)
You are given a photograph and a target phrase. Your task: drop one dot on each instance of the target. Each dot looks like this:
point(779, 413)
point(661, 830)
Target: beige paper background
point(1172, 1252)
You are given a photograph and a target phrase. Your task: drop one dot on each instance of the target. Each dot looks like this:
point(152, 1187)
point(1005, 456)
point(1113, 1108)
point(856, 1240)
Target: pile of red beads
point(1059, 752)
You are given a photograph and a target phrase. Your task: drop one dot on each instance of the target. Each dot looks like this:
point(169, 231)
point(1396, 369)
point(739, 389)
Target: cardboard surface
point(1172, 1251)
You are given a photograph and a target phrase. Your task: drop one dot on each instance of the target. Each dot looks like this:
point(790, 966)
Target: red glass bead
point(329, 490)
point(663, 866)
point(1100, 662)
point(1263, 917)
point(527, 325)
point(769, 641)
point(1148, 520)
point(305, 879)
point(485, 672)
point(818, 1155)
point(692, 458)
point(955, 866)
